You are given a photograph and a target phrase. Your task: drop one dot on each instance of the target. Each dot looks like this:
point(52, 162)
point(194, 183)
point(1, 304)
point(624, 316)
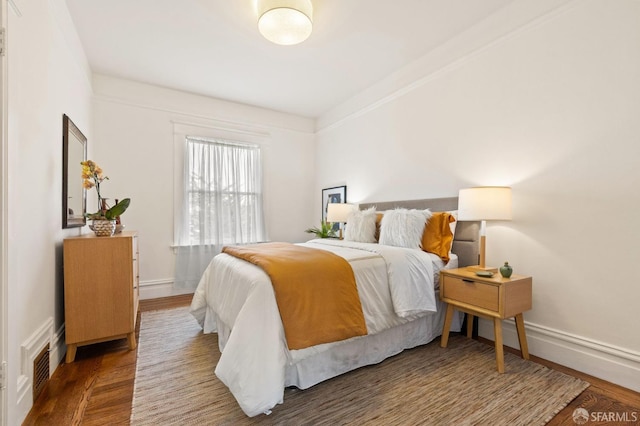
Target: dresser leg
point(131, 339)
point(71, 352)
point(447, 325)
point(522, 337)
point(497, 331)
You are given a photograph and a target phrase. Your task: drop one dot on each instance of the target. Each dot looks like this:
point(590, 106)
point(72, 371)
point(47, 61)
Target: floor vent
point(40, 371)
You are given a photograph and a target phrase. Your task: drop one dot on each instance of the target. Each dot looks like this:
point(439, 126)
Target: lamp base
point(482, 264)
point(481, 268)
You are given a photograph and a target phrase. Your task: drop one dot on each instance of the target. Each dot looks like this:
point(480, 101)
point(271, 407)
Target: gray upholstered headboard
point(465, 241)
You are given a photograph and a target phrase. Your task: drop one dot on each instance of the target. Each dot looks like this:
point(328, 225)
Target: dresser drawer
point(472, 292)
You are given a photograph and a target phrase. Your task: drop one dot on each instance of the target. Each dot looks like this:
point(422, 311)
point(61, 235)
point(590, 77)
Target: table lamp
point(484, 203)
point(338, 213)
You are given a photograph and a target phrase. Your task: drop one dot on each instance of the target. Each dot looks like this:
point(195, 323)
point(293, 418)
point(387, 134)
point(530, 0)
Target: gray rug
point(175, 384)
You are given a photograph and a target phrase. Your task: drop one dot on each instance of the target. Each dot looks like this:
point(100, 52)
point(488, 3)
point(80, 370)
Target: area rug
point(175, 384)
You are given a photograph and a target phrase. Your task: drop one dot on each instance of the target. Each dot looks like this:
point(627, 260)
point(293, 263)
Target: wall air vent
point(40, 371)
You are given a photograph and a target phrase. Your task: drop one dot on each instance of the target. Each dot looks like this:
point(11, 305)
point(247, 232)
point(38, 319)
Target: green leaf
point(118, 209)
point(325, 230)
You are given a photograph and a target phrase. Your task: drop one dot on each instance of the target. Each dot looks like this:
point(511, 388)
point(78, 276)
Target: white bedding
point(235, 299)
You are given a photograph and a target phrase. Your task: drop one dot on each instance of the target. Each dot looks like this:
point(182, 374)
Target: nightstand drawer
point(471, 292)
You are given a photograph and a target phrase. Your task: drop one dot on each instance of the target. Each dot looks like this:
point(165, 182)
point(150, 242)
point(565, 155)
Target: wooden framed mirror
point(74, 195)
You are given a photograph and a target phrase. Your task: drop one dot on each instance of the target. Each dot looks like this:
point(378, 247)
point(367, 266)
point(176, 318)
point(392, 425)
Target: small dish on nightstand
point(486, 274)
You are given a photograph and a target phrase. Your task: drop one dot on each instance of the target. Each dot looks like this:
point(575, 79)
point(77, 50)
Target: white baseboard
point(153, 289)
point(613, 364)
point(58, 350)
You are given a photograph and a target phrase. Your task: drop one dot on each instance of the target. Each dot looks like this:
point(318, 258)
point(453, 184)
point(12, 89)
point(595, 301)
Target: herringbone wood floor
point(97, 388)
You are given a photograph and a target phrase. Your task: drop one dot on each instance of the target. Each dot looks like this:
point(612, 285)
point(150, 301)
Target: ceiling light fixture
point(285, 22)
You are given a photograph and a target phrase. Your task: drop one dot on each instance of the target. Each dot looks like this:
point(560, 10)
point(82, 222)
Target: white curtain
point(221, 204)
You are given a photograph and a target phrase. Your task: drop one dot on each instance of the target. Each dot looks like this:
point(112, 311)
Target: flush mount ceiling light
point(285, 22)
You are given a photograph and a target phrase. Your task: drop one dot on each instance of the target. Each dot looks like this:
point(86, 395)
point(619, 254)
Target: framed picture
point(337, 194)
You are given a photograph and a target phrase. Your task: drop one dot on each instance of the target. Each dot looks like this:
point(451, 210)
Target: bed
point(236, 300)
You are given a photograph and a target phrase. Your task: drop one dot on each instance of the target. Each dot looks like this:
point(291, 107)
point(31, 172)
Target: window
point(222, 193)
point(218, 194)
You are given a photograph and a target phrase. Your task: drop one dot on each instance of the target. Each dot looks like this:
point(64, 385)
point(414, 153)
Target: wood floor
point(97, 388)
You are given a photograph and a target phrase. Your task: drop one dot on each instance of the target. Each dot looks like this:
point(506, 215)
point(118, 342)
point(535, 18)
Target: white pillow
point(403, 228)
point(361, 226)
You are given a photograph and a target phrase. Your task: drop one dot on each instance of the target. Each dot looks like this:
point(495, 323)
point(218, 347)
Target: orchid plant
point(93, 176)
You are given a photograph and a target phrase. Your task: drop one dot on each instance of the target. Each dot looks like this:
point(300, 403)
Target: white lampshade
point(285, 22)
point(339, 212)
point(484, 203)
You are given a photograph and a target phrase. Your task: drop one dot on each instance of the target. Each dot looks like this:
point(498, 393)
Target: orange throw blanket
point(315, 290)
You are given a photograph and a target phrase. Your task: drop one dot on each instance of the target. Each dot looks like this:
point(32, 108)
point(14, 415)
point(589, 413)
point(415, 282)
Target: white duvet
point(236, 299)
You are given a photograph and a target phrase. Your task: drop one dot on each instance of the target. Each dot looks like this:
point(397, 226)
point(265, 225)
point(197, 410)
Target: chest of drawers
point(101, 289)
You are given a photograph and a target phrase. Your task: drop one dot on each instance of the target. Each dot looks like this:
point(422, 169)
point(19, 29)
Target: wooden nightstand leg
point(71, 352)
point(469, 325)
point(447, 325)
point(497, 331)
point(522, 337)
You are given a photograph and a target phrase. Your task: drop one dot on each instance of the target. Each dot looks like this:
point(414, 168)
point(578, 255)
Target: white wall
point(550, 108)
point(48, 76)
point(134, 128)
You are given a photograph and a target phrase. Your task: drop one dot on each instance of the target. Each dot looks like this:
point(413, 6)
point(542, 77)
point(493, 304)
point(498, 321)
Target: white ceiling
point(213, 48)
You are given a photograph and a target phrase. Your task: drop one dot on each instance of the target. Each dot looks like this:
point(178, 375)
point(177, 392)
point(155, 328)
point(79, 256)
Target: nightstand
point(495, 298)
